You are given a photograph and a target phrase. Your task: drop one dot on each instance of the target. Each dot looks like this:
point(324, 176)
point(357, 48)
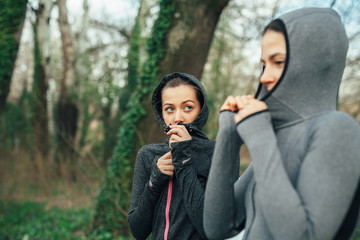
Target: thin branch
point(354, 36)
point(333, 3)
point(124, 32)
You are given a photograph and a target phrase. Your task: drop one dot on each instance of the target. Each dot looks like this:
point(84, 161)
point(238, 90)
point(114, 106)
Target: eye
point(169, 109)
point(188, 108)
point(280, 62)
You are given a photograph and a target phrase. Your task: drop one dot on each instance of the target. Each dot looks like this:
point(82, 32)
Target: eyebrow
point(273, 56)
point(181, 103)
point(188, 101)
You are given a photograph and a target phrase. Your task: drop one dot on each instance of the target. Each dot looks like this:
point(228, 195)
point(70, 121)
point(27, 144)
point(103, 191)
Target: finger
point(229, 104)
point(167, 155)
point(175, 138)
point(166, 167)
point(232, 103)
point(165, 162)
point(245, 100)
point(180, 131)
point(239, 102)
point(173, 132)
point(250, 97)
point(178, 126)
point(168, 170)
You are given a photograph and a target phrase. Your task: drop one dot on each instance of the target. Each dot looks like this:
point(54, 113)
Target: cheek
point(166, 118)
point(278, 73)
point(192, 116)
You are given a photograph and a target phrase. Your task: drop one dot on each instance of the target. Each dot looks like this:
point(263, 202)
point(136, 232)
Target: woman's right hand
point(233, 104)
point(229, 104)
point(165, 165)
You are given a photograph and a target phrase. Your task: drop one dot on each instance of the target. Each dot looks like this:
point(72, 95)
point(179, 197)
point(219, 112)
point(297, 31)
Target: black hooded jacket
point(172, 208)
point(303, 182)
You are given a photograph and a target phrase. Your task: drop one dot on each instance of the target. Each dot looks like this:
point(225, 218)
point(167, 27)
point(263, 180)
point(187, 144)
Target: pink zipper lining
point(167, 210)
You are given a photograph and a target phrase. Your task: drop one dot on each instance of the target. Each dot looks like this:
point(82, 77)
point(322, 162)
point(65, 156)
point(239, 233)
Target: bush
point(30, 220)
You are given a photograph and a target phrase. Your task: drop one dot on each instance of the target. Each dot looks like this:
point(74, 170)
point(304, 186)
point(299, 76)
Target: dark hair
point(175, 82)
point(274, 25)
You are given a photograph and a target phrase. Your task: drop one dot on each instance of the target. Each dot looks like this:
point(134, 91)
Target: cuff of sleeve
point(254, 126)
point(227, 127)
point(226, 119)
point(181, 154)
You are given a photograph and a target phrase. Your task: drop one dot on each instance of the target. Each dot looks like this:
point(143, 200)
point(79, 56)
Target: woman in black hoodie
point(169, 178)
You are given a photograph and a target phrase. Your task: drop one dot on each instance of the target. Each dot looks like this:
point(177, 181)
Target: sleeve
point(187, 179)
point(220, 219)
point(327, 180)
point(146, 190)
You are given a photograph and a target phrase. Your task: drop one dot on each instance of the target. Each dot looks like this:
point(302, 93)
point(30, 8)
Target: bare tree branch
point(333, 3)
point(124, 32)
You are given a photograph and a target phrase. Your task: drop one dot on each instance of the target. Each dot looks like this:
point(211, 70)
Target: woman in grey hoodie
point(303, 182)
point(169, 178)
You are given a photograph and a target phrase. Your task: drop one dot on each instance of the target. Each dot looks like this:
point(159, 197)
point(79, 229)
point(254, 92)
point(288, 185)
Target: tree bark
point(12, 15)
point(82, 70)
point(41, 76)
point(187, 45)
point(67, 111)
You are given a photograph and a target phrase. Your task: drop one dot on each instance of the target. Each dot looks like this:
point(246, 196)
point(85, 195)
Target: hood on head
point(316, 45)
point(201, 118)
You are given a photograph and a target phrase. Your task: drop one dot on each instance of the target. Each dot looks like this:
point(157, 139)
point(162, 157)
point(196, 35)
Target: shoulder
point(337, 121)
point(148, 152)
point(203, 145)
point(146, 155)
point(336, 126)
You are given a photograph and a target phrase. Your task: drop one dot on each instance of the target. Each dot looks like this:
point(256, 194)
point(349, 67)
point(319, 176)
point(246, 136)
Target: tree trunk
point(181, 40)
point(67, 111)
point(187, 45)
point(81, 72)
point(40, 84)
point(12, 15)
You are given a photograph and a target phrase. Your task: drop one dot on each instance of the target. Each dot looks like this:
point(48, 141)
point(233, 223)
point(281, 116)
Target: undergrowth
point(30, 220)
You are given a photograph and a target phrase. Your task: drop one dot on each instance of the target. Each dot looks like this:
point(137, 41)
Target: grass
point(31, 220)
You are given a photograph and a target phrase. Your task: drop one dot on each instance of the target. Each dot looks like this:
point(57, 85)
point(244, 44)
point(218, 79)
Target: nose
point(267, 76)
point(179, 117)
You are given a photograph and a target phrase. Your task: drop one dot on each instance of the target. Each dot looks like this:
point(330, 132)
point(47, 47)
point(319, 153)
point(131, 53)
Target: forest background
point(76, 78)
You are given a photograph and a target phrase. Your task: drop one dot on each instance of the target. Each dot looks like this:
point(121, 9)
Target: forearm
point(141, 216)
point(219, 216)
point(187, 180)
point(193, 196)
point(146, 191)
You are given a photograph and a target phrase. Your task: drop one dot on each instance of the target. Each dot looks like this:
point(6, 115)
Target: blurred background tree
point(12, 16)
point(75, 86)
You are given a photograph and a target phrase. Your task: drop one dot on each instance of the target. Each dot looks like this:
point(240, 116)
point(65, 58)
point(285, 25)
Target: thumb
point(168, 154)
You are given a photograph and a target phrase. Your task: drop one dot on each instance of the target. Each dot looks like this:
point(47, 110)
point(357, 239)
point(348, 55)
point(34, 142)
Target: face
point(179, 104)
point(273, 58)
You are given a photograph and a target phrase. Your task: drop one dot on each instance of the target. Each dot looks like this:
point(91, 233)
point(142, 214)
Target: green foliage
point(14, 127)
point(30, 220)
point(12, 12)
point(356, 233)
point(113, 199)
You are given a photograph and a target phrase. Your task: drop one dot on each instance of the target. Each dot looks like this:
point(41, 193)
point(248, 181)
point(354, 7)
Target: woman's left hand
point(178, 133)
point(247, 106)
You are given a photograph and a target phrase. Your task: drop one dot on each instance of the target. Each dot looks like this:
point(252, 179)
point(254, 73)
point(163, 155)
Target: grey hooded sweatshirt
point(303, 182)
point(172, 208)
